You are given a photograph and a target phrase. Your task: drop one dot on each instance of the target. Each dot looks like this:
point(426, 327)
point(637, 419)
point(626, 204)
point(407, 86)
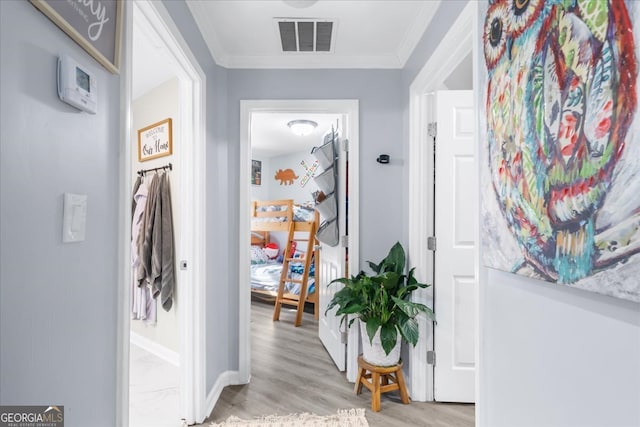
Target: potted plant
point(381, 302)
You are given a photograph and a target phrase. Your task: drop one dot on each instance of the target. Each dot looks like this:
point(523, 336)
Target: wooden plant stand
point(380, 379)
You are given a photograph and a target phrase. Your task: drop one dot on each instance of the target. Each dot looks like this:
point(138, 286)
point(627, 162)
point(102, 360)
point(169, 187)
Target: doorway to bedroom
point(284, 167)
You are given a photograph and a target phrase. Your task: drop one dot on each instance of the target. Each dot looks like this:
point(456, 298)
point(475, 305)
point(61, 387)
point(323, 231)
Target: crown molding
point(314, 61)
point(416, 31)
point(200, 15)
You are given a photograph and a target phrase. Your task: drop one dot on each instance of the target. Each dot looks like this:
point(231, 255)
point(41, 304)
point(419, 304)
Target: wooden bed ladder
point(289, 299)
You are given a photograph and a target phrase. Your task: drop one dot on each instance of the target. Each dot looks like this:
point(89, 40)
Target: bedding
point(266, 277)
point(270, 216)
point(300, 213)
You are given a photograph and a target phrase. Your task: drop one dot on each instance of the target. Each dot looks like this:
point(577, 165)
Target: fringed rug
point(344, 418)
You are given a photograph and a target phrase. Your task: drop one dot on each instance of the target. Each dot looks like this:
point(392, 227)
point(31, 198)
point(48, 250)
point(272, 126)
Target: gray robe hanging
point(164, 285)
point(157, 260)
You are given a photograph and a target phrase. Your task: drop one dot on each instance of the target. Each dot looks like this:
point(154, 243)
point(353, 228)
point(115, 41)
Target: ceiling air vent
point(305, 35)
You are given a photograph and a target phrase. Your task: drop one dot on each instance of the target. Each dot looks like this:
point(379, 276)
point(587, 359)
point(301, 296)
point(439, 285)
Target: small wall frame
point(256, 172)
point(155, 141)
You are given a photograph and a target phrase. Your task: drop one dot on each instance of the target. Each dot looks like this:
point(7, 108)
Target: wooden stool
point(380, 379)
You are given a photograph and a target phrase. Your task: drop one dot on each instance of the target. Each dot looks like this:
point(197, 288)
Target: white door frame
point(192, 194)
point(453, 48)
point(247, 107)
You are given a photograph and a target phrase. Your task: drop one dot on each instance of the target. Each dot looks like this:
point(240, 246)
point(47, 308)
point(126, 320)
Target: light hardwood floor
point(292, 373)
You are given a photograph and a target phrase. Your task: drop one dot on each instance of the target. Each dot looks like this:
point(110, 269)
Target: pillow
point(257, 255)
point(304, 214)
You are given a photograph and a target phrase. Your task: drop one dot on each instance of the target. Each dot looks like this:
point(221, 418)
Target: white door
point(332, 266)
point(454, 271)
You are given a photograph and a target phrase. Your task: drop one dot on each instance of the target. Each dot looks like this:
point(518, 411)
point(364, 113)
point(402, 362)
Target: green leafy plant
point(382, 300)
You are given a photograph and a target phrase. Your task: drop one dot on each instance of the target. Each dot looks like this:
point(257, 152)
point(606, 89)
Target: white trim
point(124, 223)
point(225, 379)
point(201, 15)
point(314, 60)
point(453, 48)
point(479, 272)
point(244, 257)
point(350, 108)
point(416, 31)
point(191, 316)
point(154, 348)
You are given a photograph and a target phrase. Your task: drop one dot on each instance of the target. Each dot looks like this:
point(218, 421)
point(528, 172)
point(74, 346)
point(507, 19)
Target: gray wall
point(549, 355)
point(57, 301)
point(554, 355)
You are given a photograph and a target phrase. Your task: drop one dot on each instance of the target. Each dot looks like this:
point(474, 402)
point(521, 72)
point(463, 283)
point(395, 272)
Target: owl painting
point(560, 108)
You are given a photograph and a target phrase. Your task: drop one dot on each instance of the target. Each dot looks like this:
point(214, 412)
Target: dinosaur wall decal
point(286, 176)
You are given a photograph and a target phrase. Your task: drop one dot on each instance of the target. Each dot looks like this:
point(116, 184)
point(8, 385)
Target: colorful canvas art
point(561, 199)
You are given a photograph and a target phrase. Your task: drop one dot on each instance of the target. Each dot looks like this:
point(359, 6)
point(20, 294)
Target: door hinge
point(431, 243)
point(432, 129)
point(345, 144)
point(431, 357)
point(343, 337)
point(344, 241)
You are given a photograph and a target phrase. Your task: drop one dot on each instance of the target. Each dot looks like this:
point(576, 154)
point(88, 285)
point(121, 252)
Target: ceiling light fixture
point(300, 4)
point(302, 127)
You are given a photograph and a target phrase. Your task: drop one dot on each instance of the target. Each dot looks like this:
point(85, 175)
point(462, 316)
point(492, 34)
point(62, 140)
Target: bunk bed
point(298, 261)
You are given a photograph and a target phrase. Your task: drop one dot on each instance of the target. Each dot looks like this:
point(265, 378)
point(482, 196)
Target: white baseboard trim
point(225, 379)
point(154, 348)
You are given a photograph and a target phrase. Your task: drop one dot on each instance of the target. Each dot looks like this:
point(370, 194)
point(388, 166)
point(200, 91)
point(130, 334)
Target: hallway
point(292, 373)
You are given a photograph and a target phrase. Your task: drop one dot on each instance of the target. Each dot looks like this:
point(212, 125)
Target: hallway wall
point(221, 237)
point(57, 300)
point(549, 355)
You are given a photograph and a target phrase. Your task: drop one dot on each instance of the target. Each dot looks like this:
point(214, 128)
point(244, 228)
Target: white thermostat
point(77, 86)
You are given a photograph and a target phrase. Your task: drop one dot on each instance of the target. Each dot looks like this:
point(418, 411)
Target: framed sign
point(155, 141)
point(256, 172)
point(94, 25)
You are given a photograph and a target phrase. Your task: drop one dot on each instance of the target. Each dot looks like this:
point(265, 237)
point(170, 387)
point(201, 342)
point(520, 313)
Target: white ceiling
point(368, 33)
point(242, 34)
point(152, 65)
point(270, 136)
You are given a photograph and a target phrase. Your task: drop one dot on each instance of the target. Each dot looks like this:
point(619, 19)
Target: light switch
point(74, 217)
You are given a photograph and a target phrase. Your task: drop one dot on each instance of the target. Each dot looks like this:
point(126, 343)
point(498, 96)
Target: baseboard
point(154, 348)
point(225, 379)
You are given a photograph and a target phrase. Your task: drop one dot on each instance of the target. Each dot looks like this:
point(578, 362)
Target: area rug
point(344, 418)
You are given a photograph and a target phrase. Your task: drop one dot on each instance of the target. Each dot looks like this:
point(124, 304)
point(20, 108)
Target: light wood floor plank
point(293, 373)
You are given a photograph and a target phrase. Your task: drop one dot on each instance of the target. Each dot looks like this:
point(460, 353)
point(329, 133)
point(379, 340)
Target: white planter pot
point(372, 351)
